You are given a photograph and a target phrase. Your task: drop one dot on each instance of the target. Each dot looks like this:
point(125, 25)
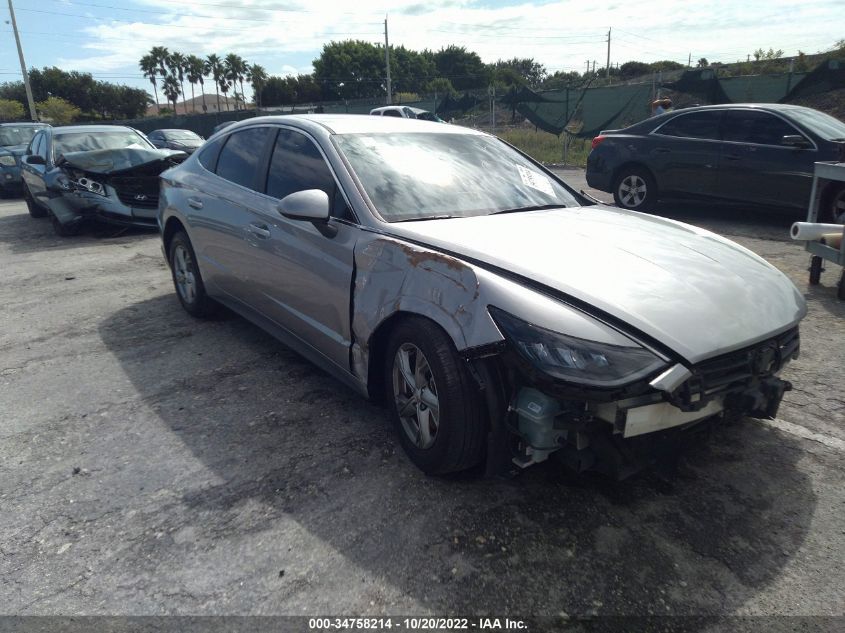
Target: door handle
point(259, 230)
point(733, 157)
point(662, 150)
point(195, 203)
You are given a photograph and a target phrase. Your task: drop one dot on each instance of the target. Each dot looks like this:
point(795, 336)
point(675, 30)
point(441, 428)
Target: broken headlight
point(91, 186)
point(7, 161)
point(574, 359)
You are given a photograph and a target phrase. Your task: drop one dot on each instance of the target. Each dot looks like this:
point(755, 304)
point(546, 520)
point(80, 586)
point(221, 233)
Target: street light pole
point(28, 88)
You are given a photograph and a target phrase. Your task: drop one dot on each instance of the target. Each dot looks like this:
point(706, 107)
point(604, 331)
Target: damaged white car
point(107, 173)
point(503, 318)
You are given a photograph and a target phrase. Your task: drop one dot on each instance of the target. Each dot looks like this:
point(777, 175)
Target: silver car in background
point(501, 316)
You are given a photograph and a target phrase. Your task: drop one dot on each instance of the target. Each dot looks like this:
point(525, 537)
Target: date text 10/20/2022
point(416, 624)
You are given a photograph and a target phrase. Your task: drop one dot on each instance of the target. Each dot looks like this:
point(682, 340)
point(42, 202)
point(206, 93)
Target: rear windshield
point(181, 135)
point(414, 176)
point(68, 142)
point(10, 136)
point(822, 124)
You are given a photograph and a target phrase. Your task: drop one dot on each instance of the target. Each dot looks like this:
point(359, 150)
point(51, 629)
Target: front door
point(756, 167)
point(304, 273)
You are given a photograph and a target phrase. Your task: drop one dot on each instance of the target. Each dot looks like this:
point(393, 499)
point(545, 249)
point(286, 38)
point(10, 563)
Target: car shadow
point(25, 234)
point(279, 440)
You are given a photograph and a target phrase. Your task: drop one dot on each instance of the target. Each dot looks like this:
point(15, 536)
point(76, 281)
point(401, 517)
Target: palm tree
point(236, 70)
point(149, 66)
point(258, 78)
point(224, 84)
point(176, 61)
point(160, 54)
point(195, 69)
point(214, 67)
point(170, 86)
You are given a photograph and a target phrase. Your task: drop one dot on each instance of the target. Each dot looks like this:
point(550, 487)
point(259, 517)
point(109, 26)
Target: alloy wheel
point(632, 191)
point(183, 274)
point(415, 394)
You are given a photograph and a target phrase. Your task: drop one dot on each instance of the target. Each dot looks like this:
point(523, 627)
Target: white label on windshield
point(535, 180)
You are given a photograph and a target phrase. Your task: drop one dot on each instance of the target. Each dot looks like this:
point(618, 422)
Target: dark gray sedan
point(502, 318)
point(751, 153)
point(181, 140)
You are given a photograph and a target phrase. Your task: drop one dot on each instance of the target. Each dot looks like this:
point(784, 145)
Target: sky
point(108, 37)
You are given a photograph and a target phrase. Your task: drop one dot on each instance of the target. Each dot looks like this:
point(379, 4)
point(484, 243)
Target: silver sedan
point(502, 317)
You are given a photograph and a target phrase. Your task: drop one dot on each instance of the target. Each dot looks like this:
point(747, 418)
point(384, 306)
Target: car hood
point(692, 290)
point(113, 161)
point(14, 150)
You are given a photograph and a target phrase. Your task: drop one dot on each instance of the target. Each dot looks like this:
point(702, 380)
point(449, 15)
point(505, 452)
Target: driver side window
point(296, 165)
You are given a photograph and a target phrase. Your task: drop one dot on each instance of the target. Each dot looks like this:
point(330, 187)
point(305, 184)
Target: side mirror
point(35, 159)
point(310, 204)
point(795, 140)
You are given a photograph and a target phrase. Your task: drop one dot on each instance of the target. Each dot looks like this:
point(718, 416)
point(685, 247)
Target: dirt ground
point(153, 464)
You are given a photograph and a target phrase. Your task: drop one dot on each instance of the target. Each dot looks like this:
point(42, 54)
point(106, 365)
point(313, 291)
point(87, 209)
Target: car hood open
point(113, 161)
point(693, 291)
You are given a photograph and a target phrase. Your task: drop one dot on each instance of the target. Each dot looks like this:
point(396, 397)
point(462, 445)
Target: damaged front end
point(117, 186)
point(622, 428)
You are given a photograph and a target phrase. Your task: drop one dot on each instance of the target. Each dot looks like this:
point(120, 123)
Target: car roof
point(360, 124)
point(172, 129)
point(91, 128)
point(775, 107)
point(25, 124)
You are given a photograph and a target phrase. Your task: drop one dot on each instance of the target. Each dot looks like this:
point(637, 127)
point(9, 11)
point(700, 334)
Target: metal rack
point(823, 174)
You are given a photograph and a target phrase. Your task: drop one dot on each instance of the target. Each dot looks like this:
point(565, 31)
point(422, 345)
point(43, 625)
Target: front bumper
point(615, 432)
point(77, 206)
point(10, 178)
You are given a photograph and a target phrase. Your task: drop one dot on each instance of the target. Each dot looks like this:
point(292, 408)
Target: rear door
point(684, 154)
point(220, 209)
point(756, 167)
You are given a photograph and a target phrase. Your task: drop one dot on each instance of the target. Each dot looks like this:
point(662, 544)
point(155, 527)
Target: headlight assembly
point(7, 161)
point(573, 359)
point(91, 186)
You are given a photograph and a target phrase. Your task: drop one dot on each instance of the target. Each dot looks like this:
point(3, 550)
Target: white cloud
point(561, 35)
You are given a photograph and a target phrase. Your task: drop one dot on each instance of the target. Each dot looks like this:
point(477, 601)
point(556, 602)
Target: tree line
point(227, 73)
point(67, 95)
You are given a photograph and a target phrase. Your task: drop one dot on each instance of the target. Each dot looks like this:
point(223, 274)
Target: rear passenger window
point(703, 125)
point(762, 128)
point(241, 155)
point(209, 153)
point(392, 113)
point(297, 165)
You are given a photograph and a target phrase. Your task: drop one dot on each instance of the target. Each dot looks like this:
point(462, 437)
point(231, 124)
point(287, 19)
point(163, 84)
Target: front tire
point(435, 405)
point(35, 210)
point(634, 188)
point(187, 279)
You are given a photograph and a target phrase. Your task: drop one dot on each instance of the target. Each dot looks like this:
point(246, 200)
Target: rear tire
point(187, 279)
point(634, 188)
point(434, 402)
point(35, 210)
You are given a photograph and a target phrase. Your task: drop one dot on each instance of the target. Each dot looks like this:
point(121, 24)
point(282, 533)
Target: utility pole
point(588, 66)
point(28, 88)
point(386, 62)
point(608, 53)
point(594, 66)
point(689, 61)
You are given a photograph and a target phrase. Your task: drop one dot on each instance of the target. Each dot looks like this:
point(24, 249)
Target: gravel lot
point(155, 464)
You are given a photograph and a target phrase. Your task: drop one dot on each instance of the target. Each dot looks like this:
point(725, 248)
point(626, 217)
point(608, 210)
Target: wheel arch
point(172, 226)
point(628, 164)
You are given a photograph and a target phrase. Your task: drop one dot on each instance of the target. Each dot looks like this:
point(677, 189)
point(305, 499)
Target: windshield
point(414, 176)
point(428, 116)
point(181, 135)
point(822, 124)
point(17, 135)
point(86, 141)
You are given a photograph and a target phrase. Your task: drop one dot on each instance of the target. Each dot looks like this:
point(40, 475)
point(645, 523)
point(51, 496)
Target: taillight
point(597, 140)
